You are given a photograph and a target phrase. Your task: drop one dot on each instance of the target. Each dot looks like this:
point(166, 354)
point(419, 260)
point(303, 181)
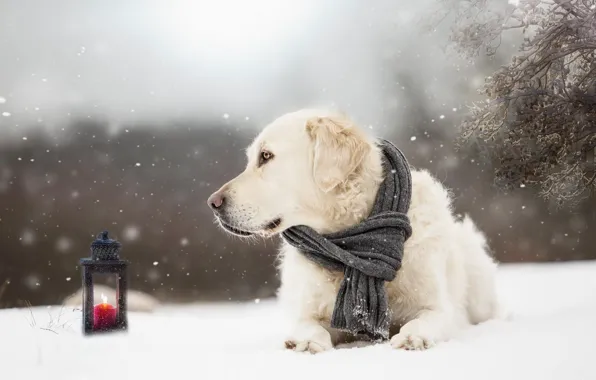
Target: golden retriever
point(317, 168)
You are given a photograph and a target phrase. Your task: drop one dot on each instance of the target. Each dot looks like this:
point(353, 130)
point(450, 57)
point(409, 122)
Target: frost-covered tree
point(537, 124)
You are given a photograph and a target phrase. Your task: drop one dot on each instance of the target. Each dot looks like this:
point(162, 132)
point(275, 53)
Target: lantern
point(105, 259)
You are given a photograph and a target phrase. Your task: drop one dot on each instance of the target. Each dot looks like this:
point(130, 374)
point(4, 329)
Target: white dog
point(316, 168)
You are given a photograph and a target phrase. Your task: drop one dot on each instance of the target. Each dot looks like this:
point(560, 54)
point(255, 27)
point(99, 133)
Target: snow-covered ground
point(551, 336)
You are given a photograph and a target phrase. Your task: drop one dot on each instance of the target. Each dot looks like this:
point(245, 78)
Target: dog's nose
point(216, 201)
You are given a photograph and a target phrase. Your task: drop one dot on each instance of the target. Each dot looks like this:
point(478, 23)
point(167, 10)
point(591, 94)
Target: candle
point(104, 315)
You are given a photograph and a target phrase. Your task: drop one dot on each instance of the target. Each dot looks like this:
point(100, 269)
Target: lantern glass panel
point(105, 279)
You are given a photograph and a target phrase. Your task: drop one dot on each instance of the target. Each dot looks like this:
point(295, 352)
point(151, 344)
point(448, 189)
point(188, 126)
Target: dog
point(318, 168)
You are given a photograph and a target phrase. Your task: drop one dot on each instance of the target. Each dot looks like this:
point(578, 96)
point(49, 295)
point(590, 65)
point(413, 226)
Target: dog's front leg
point(309, 335)
point(422, 332)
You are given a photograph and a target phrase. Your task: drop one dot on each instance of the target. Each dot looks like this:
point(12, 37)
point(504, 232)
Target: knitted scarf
point(368, 253)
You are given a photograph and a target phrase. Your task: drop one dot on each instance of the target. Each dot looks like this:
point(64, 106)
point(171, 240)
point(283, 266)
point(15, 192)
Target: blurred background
point(126, 115)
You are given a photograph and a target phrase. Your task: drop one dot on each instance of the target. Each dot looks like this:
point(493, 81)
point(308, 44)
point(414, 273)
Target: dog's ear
point(339, 149)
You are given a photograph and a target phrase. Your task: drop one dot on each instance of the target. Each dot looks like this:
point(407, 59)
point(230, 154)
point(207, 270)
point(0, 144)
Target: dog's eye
point(264, 157)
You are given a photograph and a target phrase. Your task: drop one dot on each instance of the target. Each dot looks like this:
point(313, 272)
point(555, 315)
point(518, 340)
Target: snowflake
point(27, 237)
point(2, 100)
point(31, 281)
point(131, 233)
point(6, 114)
point(153, 275)
point(413, 138)
point(63, 244)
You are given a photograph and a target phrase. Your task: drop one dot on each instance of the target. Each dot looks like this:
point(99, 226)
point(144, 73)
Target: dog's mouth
point(273, 224)
point(269, 227)
point(234, 230)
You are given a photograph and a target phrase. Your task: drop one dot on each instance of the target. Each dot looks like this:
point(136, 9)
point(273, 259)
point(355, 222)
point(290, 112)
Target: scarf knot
point(368, 253)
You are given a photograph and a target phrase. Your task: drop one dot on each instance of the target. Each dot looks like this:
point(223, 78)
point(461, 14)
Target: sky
point(128, 61)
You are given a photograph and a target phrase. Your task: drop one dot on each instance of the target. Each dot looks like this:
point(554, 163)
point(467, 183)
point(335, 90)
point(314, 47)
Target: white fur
point(447, 278)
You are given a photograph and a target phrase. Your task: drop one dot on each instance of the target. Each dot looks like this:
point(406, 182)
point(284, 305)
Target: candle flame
point(104, 299)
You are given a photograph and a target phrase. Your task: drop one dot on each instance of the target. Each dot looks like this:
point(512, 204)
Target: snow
point(550, 336)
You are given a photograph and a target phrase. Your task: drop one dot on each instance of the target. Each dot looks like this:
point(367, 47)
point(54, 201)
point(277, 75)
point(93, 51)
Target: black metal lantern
point(105, 259)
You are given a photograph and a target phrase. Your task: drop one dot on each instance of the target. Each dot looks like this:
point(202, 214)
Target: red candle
point(104, 315)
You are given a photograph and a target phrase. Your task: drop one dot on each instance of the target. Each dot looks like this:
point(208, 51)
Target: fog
point(125, 116)
point(131, 61)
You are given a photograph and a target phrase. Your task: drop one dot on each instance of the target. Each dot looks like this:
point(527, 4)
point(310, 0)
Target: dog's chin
point(267, 230)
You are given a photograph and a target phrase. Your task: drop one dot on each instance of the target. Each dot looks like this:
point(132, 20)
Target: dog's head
point(296, 167)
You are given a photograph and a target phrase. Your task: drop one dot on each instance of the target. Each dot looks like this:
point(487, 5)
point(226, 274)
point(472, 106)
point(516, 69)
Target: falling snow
point(131, 233)
point(62, 193)
point(28, 237)
point(63, 244)
point(32, 281)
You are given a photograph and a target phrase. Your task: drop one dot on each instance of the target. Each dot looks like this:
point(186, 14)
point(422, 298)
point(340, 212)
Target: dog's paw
point(411, 342)
point(311, 346)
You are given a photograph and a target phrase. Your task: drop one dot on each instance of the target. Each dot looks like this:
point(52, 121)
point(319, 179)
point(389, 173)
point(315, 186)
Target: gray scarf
point(368, 253)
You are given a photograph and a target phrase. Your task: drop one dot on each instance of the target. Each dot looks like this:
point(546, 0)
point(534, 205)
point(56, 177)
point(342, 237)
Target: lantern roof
point(104, 248)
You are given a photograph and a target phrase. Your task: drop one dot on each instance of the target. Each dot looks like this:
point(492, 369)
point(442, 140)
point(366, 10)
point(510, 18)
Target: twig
point(3, 287)
point(47, 329)
point(34, 322)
